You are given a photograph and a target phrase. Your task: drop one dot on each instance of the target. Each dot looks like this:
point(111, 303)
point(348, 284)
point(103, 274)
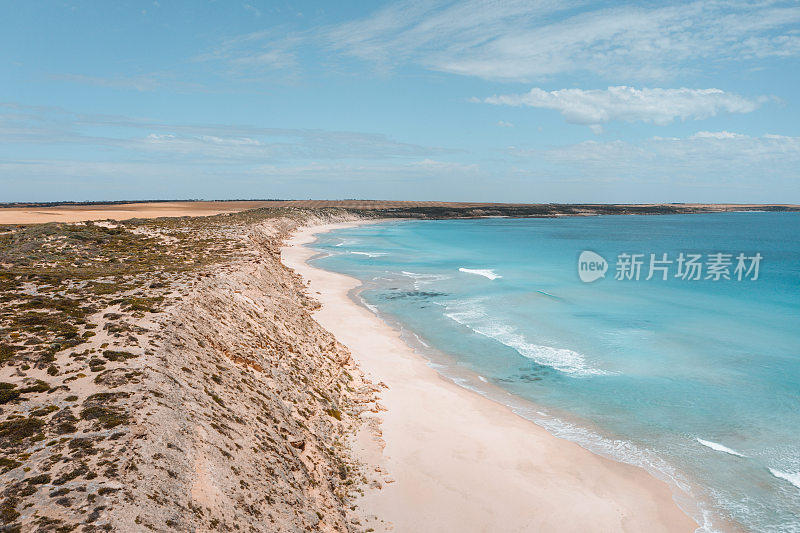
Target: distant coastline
point(42, 212)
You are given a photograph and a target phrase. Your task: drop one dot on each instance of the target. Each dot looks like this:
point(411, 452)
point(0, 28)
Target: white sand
point(461, 462)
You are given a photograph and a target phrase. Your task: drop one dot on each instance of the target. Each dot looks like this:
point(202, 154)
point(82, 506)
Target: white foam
point(794, 479)
point(370, 254)
point(618, 449)
point(369, 306)
point(423, 279)
point(485, 272)
point(625, 451)
point(718, 447)
point(419, 340)
point(469, 314)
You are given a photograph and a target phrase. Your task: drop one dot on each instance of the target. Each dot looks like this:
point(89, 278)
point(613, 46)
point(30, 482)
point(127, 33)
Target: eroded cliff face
point(224, 407)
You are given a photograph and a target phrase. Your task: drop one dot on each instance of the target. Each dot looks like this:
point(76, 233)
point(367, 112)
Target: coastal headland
point(195, 373)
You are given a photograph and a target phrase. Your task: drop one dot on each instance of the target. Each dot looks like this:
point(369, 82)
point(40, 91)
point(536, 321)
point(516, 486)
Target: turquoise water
point(697, 381)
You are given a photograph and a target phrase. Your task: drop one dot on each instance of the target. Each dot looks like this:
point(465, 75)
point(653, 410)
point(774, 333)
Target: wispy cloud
point(656, 106)
point(142, 83)
point(706, 157)
point(282, 145)
point(317, 171)
point(643, 43)
point(153, 81)
point(255, 53)
point(119, 152)
point(252, 9)
point(429, 32)
point(402, 171)
point(62, 179)
point(531, 40)
point(42, 125)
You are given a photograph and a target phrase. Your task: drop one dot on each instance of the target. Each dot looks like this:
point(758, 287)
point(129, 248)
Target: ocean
point(695, 377)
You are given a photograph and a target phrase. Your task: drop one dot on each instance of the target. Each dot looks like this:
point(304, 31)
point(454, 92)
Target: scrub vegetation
point(106, 391)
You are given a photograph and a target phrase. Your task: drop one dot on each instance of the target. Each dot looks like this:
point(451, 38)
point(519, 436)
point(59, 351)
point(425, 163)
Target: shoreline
point(460, 460)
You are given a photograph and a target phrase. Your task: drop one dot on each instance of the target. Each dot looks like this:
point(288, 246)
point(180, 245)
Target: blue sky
point(517, 101)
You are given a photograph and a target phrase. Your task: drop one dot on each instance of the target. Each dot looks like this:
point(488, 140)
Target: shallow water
point(697, 380)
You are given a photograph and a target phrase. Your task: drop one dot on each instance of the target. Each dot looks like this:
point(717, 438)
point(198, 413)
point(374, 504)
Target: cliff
point(167, 375)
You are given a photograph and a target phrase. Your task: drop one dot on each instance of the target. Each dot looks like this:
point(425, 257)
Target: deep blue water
point(696, 380)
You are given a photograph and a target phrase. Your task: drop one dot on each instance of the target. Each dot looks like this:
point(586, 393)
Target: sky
point(507, 101)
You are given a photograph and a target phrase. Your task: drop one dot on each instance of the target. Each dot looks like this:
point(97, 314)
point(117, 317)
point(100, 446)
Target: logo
point(591, 266)
point(685, 266)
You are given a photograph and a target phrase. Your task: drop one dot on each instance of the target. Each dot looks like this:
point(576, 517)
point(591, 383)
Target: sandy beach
point(456, 461)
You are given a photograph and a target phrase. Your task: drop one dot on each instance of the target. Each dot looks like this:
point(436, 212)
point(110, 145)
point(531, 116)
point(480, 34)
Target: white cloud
point(720, 135)
point(505, 124)
point(444, 166)
point(656, 106)
point(527, 40)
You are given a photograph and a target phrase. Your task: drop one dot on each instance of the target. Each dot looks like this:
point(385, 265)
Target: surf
point(718, 447)
point(487, 273)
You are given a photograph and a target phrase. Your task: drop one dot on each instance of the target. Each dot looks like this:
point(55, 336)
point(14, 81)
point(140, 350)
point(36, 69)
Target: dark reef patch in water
point(412, 294)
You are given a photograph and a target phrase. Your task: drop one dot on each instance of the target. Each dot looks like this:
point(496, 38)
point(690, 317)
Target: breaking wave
point(485, 272)
point(470, 314)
